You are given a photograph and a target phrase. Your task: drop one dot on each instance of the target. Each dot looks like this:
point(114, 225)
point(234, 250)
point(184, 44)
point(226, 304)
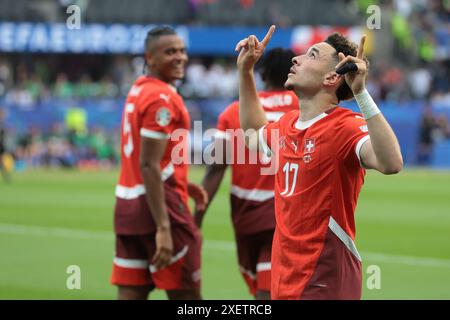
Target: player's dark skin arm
point(211, 182)
point(152, 151)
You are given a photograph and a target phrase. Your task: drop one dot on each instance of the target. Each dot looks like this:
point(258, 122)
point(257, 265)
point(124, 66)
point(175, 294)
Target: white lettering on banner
point(74, 20)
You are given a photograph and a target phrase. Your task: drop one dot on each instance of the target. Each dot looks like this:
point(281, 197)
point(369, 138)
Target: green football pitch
point(50, 220)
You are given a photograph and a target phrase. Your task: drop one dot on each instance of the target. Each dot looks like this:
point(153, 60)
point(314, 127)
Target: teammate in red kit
point(157, 242)
point(323, 151)
point(252, 197)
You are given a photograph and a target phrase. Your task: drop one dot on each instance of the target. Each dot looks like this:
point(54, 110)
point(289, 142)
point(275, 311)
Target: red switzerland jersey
point(154, 110)
point(316, 189)
point(252, 196)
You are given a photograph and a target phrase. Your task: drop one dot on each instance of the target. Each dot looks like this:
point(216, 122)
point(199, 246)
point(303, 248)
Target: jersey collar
point(302, 125)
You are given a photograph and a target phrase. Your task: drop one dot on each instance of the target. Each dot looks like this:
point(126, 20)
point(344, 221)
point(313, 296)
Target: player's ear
point(149, 58)
point(332, 79)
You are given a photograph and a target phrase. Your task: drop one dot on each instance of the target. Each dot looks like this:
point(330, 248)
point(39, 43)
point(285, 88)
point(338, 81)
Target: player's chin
point(288, 85)
point(178, 75)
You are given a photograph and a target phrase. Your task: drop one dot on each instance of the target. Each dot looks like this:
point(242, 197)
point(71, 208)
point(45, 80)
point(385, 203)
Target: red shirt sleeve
point(159, 119)
point(227, 119)
point(351, 134)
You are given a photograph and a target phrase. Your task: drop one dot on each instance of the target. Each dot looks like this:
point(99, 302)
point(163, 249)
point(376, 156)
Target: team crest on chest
point(307, 158)
point(163, 116)
point(310, 146)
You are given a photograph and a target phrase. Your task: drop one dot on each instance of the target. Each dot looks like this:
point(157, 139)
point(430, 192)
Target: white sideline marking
point(17, 229)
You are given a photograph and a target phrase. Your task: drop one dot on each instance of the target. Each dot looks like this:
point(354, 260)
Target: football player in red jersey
point(252, 198)
point(157, 242)
point(322, 163)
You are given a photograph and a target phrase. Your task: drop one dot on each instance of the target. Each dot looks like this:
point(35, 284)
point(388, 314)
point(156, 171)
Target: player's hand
point(250, 50)
point(356, 80)
point(164, 248)
point(198, 217)
point(199, 195)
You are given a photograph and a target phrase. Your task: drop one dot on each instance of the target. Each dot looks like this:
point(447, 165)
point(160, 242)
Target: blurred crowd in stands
point(63, 147)
point(417, 70)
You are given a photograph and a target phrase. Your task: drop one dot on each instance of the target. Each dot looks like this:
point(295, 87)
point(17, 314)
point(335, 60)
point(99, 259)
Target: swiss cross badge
point(310, 145)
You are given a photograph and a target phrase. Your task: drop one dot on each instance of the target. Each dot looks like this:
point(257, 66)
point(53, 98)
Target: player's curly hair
point(342, 44)
point(275, 65)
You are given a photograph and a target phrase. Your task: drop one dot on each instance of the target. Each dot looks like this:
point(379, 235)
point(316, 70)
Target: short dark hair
point(155, 33)
point(275, 66)
point(342, 44)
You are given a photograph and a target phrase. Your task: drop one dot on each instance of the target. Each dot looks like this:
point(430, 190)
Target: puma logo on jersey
point(165, 97)
point(135, 90)
point(295, 144)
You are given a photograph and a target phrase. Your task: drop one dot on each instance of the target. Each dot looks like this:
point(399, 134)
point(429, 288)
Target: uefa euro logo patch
point(163, 116)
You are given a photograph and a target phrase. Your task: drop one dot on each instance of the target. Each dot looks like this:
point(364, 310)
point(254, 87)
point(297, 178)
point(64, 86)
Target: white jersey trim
point(167, 171)
point(174, 259)
point(359, 146)
point(302, 125)
point(129, 193)
point(252, 194)
point(344, 237)
point(263, 146)
point(154, 134)
point(263, 266)
point(131, 263)
point(247, 272)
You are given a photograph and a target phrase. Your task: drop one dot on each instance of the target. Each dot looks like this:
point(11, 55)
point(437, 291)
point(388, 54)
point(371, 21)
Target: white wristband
point(366, 104)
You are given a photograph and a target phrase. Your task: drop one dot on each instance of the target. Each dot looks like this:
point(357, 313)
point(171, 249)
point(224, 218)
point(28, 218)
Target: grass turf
point(50, 219)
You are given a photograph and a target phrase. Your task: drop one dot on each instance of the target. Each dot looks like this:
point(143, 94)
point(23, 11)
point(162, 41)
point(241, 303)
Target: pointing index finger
point(269, 34)
point(360, 53)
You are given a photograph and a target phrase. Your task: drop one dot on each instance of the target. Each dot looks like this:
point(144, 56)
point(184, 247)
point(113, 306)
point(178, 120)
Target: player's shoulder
point(348, 120)
point(344, 115)
point(233, 107)
point(231, 112)
point(154, 92)
point(289, 115)
point(287, 119)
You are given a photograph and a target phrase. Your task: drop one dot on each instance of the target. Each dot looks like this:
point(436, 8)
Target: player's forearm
point(155, 195)
point(212, 179)
point(384, 142)
point(385, 145)
point(251, 113)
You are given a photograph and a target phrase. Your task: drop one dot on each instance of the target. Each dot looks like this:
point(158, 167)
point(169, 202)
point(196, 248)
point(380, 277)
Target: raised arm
point(381, 151)
point(251, 113)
